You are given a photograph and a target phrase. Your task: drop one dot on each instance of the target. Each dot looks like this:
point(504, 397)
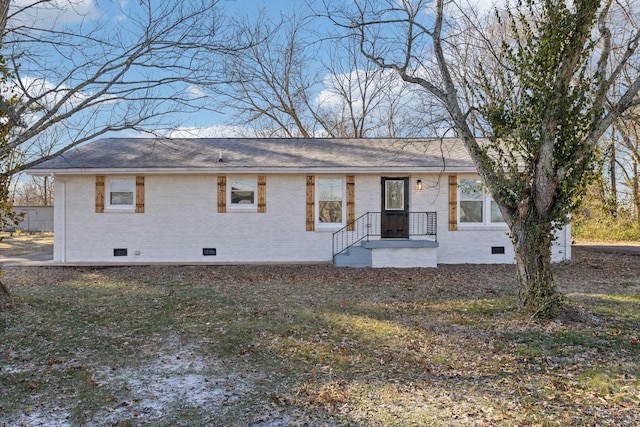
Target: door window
point(394, 195)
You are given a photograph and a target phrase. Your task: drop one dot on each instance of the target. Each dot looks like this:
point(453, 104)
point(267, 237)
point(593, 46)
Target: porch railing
point(368, 225)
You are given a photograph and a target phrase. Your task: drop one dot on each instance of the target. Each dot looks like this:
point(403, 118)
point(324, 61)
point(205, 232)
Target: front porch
point(362, 243)
point(400, 253)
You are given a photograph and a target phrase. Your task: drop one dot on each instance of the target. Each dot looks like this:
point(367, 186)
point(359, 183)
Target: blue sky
point(210, 124)
point(113, 13)
point(59, 14)
point(254, 5)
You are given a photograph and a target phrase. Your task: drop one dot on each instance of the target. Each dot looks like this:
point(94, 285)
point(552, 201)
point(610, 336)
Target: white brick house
point(360, 202)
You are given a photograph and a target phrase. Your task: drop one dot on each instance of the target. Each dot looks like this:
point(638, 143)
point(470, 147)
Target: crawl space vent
point(497, 250)
point(120, 252)
point(209, 251)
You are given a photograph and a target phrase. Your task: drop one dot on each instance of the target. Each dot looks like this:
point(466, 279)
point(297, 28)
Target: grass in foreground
point(316, 344)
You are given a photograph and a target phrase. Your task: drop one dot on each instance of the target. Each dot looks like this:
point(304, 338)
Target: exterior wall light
point(419, 184)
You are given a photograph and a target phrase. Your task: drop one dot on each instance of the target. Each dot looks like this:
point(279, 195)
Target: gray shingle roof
point(252, 154)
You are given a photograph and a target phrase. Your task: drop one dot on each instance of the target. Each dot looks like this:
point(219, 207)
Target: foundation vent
point(120, 252)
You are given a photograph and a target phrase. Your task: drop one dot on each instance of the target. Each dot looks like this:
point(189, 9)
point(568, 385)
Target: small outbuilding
point(354, 202)
point(35, 219)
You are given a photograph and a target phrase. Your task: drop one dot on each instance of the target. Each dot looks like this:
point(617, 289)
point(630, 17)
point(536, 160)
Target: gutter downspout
point(59, 220)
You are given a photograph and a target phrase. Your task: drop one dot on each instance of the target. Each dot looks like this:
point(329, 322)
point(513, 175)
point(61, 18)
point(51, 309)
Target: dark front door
point(394, 222)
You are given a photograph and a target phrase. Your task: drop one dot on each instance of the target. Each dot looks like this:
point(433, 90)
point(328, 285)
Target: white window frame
point(242, 207)
point(117, 207)
point(490, 202)
point(487, 201)
point(320, 225)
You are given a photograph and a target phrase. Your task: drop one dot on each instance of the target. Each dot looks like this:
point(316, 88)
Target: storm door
point(394, 221)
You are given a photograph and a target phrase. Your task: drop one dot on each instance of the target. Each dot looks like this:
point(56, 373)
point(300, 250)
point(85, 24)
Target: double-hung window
point(477, 207)
point(242, 193)
point(121, 193)
point(330, 194)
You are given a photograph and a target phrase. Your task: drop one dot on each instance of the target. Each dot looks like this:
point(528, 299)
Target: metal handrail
point(368, 224)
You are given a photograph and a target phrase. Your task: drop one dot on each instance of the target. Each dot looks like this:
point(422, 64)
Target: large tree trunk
point(532, 240)
point(613, 197)
point(4, 13)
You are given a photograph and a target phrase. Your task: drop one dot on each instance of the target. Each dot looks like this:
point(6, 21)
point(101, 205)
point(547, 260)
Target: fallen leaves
point(288, 345)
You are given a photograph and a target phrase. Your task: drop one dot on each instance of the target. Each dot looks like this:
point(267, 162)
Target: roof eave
point(247, 170)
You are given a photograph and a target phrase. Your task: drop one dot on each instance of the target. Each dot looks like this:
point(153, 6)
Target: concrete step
point(355, 256)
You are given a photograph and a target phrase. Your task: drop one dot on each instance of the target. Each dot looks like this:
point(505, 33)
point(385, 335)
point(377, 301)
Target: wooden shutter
point(351, 202)
point(99, 194)
point(222, 194)
point(311, 216)
point(453, 202)
point(139, 194)
point(262, 194)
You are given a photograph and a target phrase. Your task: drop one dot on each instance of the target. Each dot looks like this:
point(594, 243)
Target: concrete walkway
point(33, 259)
point(623, 249)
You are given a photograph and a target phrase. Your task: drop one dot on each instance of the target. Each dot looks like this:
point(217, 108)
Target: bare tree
point(614, 194)
point(37, 191)
point(628, 159)
point(270, 82)
point(298, 82)
point(360, 100)
point(544, 101)
point(100, 73)
point(7, 214)
point(352, 92)
point(71, 73)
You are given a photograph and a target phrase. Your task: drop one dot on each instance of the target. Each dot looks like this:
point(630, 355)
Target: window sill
point(242, 209)
point(483, 227)
point(111, 209)
point(326, 228)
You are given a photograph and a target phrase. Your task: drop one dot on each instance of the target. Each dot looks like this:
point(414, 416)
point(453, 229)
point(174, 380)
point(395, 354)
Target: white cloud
point(46, 94)
point(124, 4)
point(52, 13)
point(215, 131)
point(195, 91)
point(330, 97)
point(486, 5)
point(381, 84)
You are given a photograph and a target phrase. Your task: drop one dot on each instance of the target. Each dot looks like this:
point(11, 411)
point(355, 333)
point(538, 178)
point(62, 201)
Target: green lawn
point(289, 345)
